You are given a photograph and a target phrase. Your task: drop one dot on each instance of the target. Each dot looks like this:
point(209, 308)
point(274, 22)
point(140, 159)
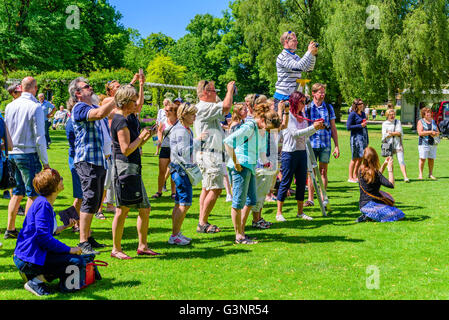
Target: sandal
point(309, 204)
point(245, 241)
point(120, 255)
point(157, 195)
point(100, 216)
point(207, 228)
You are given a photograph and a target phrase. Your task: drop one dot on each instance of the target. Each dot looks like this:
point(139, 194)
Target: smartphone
point(235, 90)
point(141, 72)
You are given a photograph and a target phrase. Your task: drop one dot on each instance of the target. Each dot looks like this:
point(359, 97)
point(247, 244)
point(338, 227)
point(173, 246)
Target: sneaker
point(38, 289)
point(280, 218)
point(261, 224)
point(95, 244)
point(11, 234)
point(229, 198)
point(304, 217)
point(86, 248)
point(362, 218)
point(21, 211)
point(184, 237)
point(178, 240)
point(6, 195)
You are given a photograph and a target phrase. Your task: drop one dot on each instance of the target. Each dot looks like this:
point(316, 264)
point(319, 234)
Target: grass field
point(327, 258)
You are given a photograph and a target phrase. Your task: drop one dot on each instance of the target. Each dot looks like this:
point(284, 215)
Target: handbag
point(387, 147)
point(128, 188)
point(8, 180)
point(194, 174)
point(92, 273)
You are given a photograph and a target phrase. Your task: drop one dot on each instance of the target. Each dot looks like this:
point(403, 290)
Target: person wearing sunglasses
point(357, 125)
point(210, 157)
point(290, 66)
point(90, 161)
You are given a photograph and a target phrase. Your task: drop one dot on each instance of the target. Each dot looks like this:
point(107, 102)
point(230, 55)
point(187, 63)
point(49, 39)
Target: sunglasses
point(87, 86)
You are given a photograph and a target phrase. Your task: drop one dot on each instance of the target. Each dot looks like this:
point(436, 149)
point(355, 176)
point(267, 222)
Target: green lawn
point(323, 259)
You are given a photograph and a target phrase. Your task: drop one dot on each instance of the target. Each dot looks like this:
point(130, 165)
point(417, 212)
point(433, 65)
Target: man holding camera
point(289, 66)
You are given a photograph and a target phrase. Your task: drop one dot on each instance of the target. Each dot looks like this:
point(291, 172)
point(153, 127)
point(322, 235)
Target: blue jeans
point(76, 182)
point(293, 164)
point(56, 267)
point(184, 190)
point(28, 165)
point(243, 188)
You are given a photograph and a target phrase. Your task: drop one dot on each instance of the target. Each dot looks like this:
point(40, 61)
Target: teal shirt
point(248, 144)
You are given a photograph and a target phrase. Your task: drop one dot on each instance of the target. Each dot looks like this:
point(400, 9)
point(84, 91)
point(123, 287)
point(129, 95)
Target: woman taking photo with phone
point(127, 140)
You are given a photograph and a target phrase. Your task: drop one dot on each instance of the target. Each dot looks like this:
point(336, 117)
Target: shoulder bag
point(387, 147)
point(128, 188)
point(8, 180)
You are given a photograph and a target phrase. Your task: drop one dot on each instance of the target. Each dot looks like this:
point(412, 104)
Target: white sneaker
point(178, 240)
point(304, 217)
point(184, 237)
point(228, 198)
point(280, 218)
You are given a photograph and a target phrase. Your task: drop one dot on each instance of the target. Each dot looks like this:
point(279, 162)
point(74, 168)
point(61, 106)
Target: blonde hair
point(186, 109)
point(288, 35)
point(424, 111)
point(317, 87)
point(271, 117)
point(387, 113)
point(124, 95)
point(202, 86)
point(109, 86)
point(236, 113)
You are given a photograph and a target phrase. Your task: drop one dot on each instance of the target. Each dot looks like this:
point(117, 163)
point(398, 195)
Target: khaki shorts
point(211, 166)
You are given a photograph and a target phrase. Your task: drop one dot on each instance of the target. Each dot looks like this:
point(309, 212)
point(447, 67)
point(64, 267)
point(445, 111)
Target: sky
point(170, 17)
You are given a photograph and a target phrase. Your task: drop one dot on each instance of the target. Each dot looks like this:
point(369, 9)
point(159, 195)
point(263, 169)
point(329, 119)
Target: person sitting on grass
point(38, 255)
point(375, 204)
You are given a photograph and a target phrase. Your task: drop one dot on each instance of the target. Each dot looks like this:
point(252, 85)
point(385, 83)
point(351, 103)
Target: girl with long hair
point(375, 204)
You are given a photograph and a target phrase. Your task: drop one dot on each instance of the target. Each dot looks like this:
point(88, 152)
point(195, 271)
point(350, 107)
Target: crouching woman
point(375, 204)
point(38, 255)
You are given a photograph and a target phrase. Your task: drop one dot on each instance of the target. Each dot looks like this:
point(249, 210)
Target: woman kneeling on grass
point(38, 255)
point(244, 147)
point(182, 146)
point(127, 139)
point(375, 204)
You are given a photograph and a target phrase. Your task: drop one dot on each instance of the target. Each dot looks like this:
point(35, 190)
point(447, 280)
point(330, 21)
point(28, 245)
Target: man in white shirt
point(210, 159)
point(25, 121)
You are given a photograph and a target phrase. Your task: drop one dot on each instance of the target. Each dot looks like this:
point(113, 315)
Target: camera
point(317, 45)
point(287, 104)
point(236, 92)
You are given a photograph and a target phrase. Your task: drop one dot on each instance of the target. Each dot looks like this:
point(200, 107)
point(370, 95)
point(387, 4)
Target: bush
point(149, 112)
point(99, 79)
point(58, 83)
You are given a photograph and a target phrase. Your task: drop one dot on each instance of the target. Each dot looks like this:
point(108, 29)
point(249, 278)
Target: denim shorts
point(184, 189)
point(76, 182)
point(323, 155)
point(358, 146)
point(28, 165)
point(243, 188)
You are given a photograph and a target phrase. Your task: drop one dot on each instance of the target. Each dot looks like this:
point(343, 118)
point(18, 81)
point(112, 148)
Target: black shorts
point(92, 179)
point(165, 153)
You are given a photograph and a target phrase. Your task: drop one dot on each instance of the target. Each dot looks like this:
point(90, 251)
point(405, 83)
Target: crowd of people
point(254, 150)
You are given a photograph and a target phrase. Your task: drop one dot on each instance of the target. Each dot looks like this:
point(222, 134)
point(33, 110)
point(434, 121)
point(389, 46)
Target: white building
point(409, 113)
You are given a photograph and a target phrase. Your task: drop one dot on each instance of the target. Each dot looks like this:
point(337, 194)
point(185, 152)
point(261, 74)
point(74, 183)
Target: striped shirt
point(289, 67)
point(88, 136)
